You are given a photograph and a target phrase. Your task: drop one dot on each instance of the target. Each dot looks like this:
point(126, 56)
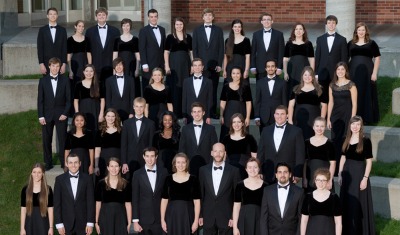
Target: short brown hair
point(197, 59)
point(331, 18)
point(151, 81)
point(116, 61)
point(139, 100)
point(265, 14)
point(197, 104)
point(174, 161)
point(282, 107)
point(126, 21)
point(150, 149)
point(52, 9)
point(101, 9)
point(322, 171)
point(54, 60)
point(208, 10)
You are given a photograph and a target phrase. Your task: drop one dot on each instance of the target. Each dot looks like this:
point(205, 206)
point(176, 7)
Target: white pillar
point(345, 11)
point(164, 13)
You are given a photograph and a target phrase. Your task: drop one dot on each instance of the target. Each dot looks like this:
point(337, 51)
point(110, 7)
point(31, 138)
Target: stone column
point(345, 11)
point(164, 13)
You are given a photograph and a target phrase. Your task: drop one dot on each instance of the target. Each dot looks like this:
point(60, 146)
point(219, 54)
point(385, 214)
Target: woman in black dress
point(78, 49)
point(321, 211)
point(364, 63)
point(240, 146)
point(113, 202)
point(299, 52)
point(108, 141)
point(237, 51)
point(248, 197)
point(166, 139)
point(307, 102)
point(158, 96)
point(180, 203)
point(355, 191)
point(88, 99)
point(178, 56)
point(341, 107)
point(320, 153)
point(37, 204)
point(235, 98)
point(126, 47)
point(81, 142)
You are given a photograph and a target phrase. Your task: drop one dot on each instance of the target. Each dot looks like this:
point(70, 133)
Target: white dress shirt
point(278, 134)
point(197, 84)
point(330, 40)
point(271, 84)
point(103, 34)
point(53, 32)
point(197, 131)
point(74, 186)
point(152, 176)
point(54, 83)
point(120, 83)
point(157, 33)
point(267, 38)
point(208, 31)
point(217, 176)
point(138, 124)
point(282, 197)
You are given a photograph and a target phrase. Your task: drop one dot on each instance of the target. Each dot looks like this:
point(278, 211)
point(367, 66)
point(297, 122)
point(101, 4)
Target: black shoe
point(49, 167)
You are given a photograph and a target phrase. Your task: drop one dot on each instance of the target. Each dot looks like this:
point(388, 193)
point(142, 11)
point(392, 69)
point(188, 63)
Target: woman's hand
point(195, 226)
point(247, 122)
point(22, 232)
point(246, 74)
point(329, 184)
point(224, 74)
point(363, 183)
point(164, 226)
point(167, 70)
point(374, 77)
point(286, 77)
point(91, 169)
point(97, 171)
point(97, 228)
point(50, 232)
point(236, 231)
point(329, 125)
point(221, 120)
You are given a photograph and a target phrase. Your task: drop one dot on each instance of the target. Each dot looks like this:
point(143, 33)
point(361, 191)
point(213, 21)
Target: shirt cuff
point(41, 118)
point(90, 224)
point(256, 119)
point(145, 66)
point(58, 226)
point(135, 220)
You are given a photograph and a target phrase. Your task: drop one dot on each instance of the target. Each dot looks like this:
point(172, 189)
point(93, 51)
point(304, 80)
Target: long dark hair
point(360, 145)
point(240, 116)
point(117, 121)
point(122, 183)
point(73, 127)
point(94, 86)
point(293, 35)
point(335, 77)
point(297, 89)
point(231, 40)
point(355, 35)
point(180, 19)
point(176, 128)
point(43, 195)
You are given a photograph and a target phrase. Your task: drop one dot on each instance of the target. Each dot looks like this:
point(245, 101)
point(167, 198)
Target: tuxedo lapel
point(284, 137)
point(225, 177)
point(48, 34)
point(146, 180)
point(275, 200)
point(60, 84)
point(152, 34)
point(68, 185)
point(135, 131)
point(212, 33)
point(126, 86)
point(209, 179)
point(158, 185)
point(204, 35)
point(79, 187)
point(115, 85)
point(202, 87)
point(142, 127)
point(203, 133)
point(288, 200)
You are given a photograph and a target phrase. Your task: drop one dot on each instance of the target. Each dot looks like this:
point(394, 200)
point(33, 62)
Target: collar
point(136, 116)
point(77, 173)
point(223, 165)
point(200, 123)
point(154, 168)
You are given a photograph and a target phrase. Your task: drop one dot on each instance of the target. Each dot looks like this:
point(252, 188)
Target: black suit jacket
point(291, 151)
point(325, 61)
point(259, 55)
point(189, 96)
point(132, 145)
point(146, 202)
point(47, 49)
point(271, 222)
point(49, 106)
point(266, 103)
point(217, 207)
point(74, 213)
point(188, 143)
point(150, 52)
point(102, 57)
point(123, 104)
point(212, 50)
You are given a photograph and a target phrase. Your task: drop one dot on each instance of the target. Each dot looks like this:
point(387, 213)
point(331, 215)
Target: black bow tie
point(119, 76)
point(284, 187)
point(148, 170)
point(102, 27)
point(154, 27)
point(217, 168)
point(74, 176)
point(138, 119)
point(207, 26)
point(54, 78)
point(331, 35)
point(280, 126)
point(271, 79)
point(195, 125)
point(199, 77)
point(52, 27)
point(267, 31)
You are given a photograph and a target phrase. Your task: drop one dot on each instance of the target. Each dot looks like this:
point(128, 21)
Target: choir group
point(130, 167)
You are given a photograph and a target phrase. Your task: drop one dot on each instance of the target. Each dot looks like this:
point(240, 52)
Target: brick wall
point(284, 11)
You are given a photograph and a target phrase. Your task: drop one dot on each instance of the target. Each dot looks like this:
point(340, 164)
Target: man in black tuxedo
point(217, 184)
point(208, 45)
point(281, 142)
point(197, 88)
point(267, 44)
point(270, 92)
point(120, 91)
point(147, 186)
point(151, 46)
point(331, 49)
point(74, 205)
point(281, 205)
point(53, 104)
point(137, 134)
point(101, 39)
point(197, 139)
point(52, 42)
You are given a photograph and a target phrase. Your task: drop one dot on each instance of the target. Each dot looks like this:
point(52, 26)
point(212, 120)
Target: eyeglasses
point(321, 181)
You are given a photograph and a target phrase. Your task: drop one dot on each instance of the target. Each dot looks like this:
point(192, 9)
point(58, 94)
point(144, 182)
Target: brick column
point(345, 11)
point(164, 13)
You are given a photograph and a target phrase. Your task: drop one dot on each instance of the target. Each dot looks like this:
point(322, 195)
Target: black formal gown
point(240, 51)
point(81, 147)
point(35, 224)
point(239, 151)
point(112, 217)
point(79, 56)
point(321, 214)
point(127, 50)
point(307, 108)
point(157, 101)
point(179, 63)
point(298, 55)
point(358, 212)
point(250, 208)
point(361, 68)
point(318, 157)
point(88, 105)
point(340, 116)
point(180, 210)
point(235, 103)
point(167, 149)
point(110, 145)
